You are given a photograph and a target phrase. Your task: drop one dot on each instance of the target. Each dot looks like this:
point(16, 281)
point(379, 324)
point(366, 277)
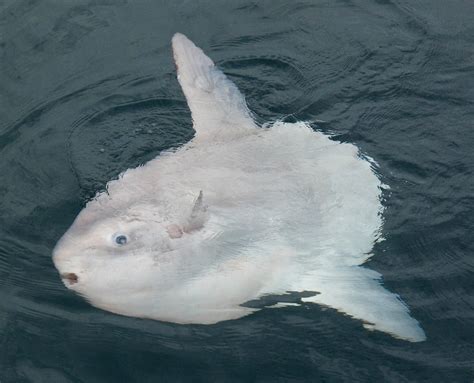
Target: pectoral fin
point(198, 216)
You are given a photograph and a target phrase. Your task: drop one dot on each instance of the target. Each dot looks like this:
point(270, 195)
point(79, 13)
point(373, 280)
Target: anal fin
point(357, 292)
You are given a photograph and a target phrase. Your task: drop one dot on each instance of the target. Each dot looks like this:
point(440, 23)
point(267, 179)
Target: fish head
point(118, 256)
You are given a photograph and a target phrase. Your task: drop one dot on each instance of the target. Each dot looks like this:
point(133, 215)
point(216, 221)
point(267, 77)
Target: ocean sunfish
point(238, 213)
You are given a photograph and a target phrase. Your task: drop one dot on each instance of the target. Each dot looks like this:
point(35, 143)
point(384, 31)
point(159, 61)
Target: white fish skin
point(237, 213)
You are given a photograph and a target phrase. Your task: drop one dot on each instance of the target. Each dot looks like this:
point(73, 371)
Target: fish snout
point(70, 278)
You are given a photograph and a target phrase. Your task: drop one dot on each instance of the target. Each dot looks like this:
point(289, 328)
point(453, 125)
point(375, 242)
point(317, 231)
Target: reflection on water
point(88, 90)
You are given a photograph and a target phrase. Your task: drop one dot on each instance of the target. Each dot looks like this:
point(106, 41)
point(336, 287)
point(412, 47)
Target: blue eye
point(121, 239)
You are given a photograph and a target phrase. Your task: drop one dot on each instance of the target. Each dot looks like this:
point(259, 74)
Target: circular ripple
point(272, 84)
point(125, 136)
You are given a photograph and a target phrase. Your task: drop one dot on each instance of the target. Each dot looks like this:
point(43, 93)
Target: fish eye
point(121, 239)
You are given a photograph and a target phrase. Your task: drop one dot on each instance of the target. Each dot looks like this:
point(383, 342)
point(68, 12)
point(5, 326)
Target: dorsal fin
point(218, 109)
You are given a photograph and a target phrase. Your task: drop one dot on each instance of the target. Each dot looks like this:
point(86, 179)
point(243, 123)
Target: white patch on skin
point(238, 213)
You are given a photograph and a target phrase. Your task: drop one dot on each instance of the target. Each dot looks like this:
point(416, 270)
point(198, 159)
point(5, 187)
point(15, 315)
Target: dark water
point(88, 89)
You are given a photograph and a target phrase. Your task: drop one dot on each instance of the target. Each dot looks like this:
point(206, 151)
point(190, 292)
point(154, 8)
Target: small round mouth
point(71, 278)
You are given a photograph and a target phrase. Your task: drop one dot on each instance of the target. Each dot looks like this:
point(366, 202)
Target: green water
point(88, 89)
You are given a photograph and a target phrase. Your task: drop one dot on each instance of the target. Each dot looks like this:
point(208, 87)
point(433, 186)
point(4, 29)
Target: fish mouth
point(71, 278)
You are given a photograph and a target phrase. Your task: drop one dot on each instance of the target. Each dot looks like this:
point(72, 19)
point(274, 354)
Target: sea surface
point(88, 89)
